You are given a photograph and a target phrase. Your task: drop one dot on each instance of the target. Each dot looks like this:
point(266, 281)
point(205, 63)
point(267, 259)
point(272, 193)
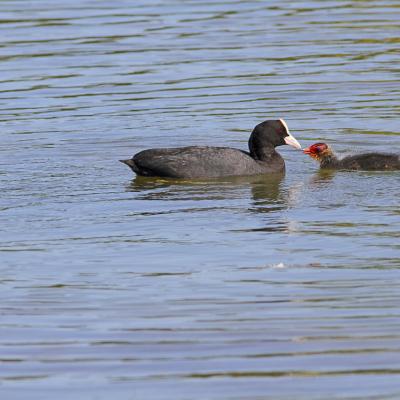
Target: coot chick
point(363, 162)
point(214, 162)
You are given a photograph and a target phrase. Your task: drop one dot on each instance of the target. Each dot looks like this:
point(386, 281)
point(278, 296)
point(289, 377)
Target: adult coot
point(214, 162)
point(366, 162)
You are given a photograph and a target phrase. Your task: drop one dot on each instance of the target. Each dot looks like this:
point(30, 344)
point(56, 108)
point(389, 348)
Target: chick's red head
point(317, 150)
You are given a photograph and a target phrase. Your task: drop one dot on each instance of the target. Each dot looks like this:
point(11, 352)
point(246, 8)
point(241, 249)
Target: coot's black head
point(270, 134)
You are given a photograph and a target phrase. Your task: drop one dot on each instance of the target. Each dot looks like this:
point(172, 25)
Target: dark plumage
point(365, 162)
point(213, 162)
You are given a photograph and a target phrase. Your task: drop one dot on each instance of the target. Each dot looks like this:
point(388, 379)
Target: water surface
point(277, 288)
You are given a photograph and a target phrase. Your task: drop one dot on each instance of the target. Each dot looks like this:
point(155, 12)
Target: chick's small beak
point(291, 141)
point(307, 151)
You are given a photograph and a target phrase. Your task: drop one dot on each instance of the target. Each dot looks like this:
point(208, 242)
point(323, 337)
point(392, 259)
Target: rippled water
point(233, 289)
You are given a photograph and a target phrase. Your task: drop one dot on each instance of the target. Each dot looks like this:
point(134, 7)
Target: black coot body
point(214, 162)
point(363, 162)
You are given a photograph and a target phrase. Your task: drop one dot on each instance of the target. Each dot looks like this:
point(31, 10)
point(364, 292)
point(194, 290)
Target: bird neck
point(329, 160)
point(261, 151)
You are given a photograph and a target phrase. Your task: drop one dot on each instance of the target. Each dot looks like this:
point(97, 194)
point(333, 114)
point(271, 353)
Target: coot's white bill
point(291, 141)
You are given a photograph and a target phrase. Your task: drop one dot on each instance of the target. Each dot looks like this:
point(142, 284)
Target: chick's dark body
point(364, 162)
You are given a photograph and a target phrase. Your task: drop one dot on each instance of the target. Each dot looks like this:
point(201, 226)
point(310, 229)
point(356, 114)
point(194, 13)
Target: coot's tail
point(132, 165)
point(136, 169)
point(129, 163)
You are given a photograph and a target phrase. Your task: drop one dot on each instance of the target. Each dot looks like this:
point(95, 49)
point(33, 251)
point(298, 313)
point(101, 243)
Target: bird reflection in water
point(267, 194)
point(323, 177)
point(265, 190)
point(269, 197)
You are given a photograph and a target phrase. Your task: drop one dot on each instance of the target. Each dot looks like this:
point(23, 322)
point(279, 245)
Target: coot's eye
point(318, 147)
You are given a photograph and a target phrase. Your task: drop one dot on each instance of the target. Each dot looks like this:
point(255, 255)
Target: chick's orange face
point(317, 150)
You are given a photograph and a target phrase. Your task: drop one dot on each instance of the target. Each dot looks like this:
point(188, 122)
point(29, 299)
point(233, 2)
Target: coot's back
point(201, 161)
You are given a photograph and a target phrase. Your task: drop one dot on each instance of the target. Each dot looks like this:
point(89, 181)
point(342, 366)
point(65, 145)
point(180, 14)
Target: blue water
point(248, 288)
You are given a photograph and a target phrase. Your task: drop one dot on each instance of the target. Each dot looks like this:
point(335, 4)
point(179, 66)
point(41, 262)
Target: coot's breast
point(372, 162)
point(199, 162)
